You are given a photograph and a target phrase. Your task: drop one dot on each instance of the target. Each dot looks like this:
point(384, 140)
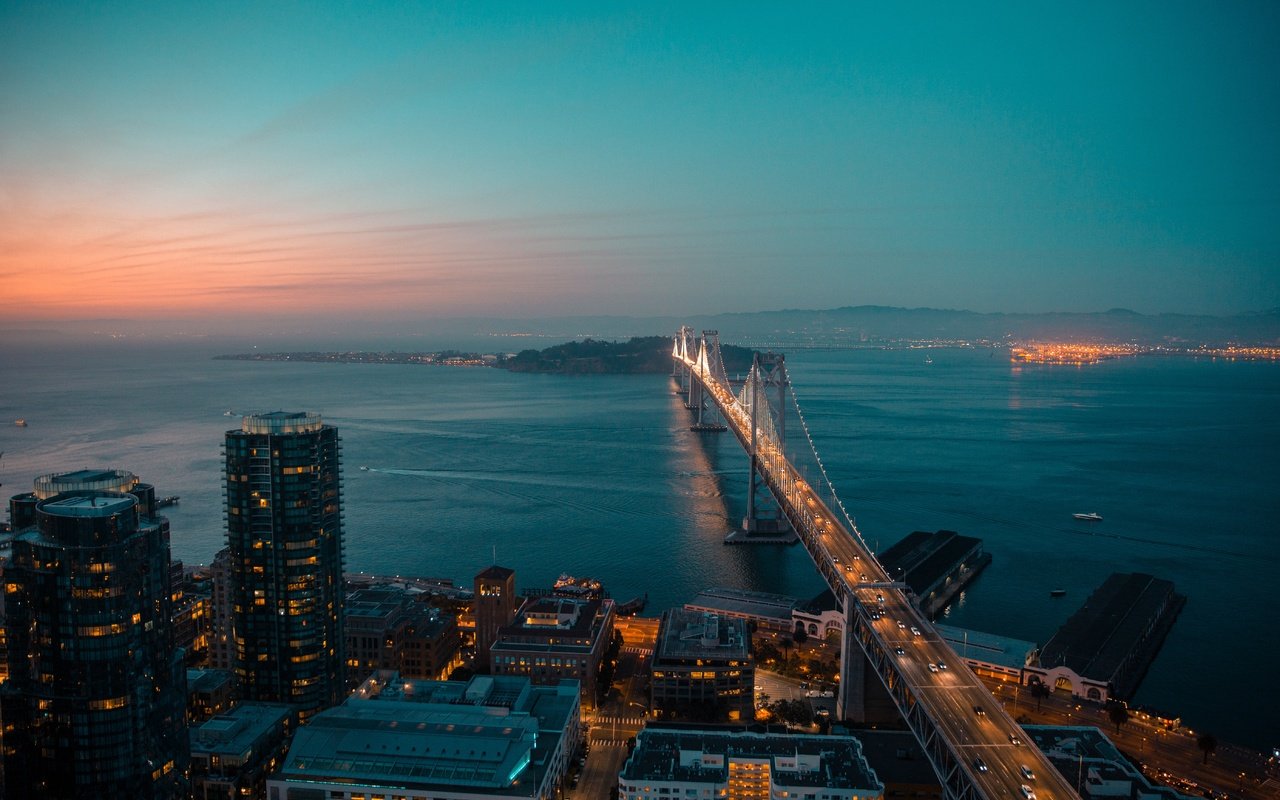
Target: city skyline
point(213, 164)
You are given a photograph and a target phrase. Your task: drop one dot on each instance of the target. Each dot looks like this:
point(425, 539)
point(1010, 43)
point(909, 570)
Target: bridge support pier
point(863, 696)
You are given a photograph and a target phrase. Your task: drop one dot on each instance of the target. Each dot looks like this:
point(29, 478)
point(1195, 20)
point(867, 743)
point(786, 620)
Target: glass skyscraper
point(284, 534)
point(95, 702)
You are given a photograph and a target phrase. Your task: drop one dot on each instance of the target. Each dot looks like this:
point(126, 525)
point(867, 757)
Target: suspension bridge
point(891, 656)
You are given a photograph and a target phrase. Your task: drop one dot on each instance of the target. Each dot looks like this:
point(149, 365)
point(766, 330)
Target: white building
point(672, 762)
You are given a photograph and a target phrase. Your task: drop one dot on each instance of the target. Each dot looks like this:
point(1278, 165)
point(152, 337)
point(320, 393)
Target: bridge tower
point(768, 372)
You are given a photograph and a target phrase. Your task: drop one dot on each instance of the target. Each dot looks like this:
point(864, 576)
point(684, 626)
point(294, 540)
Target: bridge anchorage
point(890, 652)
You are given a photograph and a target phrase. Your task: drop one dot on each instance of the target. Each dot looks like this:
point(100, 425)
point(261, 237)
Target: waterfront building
point(495, 606)
point(490, 737)
point(936, 567)
point(702, 667)
point(554, 639)
point(670, 762)
point(389, 628)
point(990, 655)
point(233, 752)
point(284, 534)
point(94, 704)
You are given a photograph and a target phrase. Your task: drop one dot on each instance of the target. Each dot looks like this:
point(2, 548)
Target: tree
point(1039, 690)
point(786, 653)
point(800, 636)
point(1208, 743)
point(1119, 715)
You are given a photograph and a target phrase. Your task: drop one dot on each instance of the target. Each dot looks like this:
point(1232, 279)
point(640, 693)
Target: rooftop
point(1004, 651)
point(88, 505)
point(747, 603)
point(236, 731)
point(281, 422)
point(482, 734)
point(921, 558)
point(697, 634)
point(103, 480)
point(691, 755)
point(495, 572)
point(1097, 639)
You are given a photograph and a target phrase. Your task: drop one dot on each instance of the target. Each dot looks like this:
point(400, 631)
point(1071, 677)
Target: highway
point(983, 739)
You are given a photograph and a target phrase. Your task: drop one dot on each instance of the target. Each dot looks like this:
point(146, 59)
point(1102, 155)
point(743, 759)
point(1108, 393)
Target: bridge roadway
point(977, 754)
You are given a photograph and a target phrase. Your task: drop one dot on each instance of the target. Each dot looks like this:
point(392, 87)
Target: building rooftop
point(88, 505)
point(696, 634)
point(493, 733)
point(921, 558)
point(747, 603)
point(496, 572)
point(1098, 638)
point(989, 647)
point(1086, 754)
point(235, 732)
point(103, 480)
point(281, 422)
point(675, 755)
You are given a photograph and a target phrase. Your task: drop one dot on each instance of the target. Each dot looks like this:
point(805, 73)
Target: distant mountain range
point(852, 325)
point(846, 326)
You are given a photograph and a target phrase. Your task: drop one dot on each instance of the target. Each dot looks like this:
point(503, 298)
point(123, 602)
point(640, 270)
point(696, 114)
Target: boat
point(1092, 516)
point(20, 422)
point(165, 502)
point(363, 468)
point(228, 413)
point(1057, 592)
point(928, 360)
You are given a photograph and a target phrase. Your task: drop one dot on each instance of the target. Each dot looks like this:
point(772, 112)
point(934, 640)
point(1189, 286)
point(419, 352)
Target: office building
point(490, 737)
point(94, 705)
point(671, 762)
point(284, 534)
point(233, 752)
point(389, 628)
point(703, 668)
point(495, 606)
point(553, 639)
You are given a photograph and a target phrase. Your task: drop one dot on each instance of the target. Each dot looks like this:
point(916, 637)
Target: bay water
point(601, 476)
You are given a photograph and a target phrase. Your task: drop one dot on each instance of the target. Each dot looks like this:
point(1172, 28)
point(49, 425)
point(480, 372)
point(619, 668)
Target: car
point(1027, 792)
point(1013, 739)
point(848, 568)
point(864, 577)
point(942, 665)
point(899, 651)
point(875, 615)
point(915, 631)
point(933, 667)
point(901, 624)
point(1026, 772)
point(880, 598)
point(979, 765)
point(980, 711)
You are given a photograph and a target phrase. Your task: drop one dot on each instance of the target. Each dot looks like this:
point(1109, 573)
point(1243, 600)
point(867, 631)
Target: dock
point(935, 566)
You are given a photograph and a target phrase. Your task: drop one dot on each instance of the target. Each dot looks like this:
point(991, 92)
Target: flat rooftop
point(492, 733)
point(94, 505)
point(234, 733)
point(746, 603)
point(703, 756)
point(685, 634)
point(921, 559)
point(992, 648)
point(1097, 639)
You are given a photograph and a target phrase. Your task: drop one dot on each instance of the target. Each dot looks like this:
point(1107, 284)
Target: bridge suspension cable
point(795, 402)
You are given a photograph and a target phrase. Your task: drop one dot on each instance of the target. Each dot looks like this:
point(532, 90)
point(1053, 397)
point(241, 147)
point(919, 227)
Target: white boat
point(928, 360)
point(1092, 516)
point(364, 468)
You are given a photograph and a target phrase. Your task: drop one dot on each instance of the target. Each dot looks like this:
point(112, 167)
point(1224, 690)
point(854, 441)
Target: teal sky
point(401, 160)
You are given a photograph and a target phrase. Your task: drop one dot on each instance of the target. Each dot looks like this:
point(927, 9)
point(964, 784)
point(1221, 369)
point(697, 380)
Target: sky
point(220, 164)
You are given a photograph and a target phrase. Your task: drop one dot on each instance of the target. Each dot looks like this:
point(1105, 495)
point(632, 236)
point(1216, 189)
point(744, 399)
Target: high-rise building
point(284, 534)
point(495, 606)
point(94, 704)
point(702, 667)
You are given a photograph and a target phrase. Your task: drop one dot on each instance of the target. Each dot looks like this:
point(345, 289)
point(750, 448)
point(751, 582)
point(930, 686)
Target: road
point(623, 712)
point(1169, 757)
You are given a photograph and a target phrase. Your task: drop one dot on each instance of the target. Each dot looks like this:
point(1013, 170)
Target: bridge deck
point(976, 748)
